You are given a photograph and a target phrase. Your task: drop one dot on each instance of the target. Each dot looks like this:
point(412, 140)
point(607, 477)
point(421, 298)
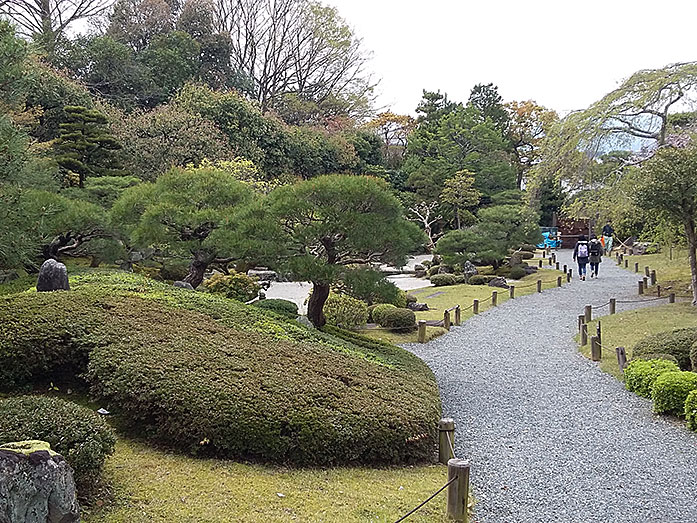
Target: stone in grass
point(183, 285)
point(418, 307)
point(53, 276)
point(36, 485)
point(469, 270)
point(499, 281)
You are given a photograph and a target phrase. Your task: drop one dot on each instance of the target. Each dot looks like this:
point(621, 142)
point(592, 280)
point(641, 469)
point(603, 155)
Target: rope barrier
point(643, 301)
point(450, 443)
point(601, 306)
point(405, 516)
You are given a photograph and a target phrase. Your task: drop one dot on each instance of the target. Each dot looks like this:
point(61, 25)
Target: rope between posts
point(450, 443)
point(601, 306)
point(643, 301)
point(405, 516)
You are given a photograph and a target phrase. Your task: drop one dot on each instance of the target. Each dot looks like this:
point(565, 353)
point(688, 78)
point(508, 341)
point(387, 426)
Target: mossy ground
point(673, 275)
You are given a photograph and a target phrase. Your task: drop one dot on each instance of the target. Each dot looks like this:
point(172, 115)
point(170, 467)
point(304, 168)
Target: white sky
point(564, 55)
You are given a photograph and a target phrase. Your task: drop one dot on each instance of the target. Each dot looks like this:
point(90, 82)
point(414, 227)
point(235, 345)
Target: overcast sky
point(564, 55)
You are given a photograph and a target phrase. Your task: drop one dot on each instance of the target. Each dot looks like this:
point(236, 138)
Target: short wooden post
point(539, 285)
point(613, 305)
point(422, 331)
point(446, 440)
point(671, 297)
point(617, 259)
point(584, 334)
point(588, 313)
point(458, 490)
point(511, 291)
point(641, 287)
point(646, 271)
point(550, 261)
point(621, 357)
point(658, 291)
point(475, 306)
point(544, 253)
point(645, 281)
point(556, 266)
point(540, 264)
point(636, 267)
point(446, 320)
point(569, 275)
point(626, 264)
point(558, 281)
point(494, 298)
point(581, 321)
point(671, 252)
point(596, 351)
point(653, 277)
point(599, 333)
point(458, 317)
point(565, 268)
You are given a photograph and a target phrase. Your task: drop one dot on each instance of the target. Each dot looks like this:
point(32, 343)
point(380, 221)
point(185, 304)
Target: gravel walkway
point(550, 437)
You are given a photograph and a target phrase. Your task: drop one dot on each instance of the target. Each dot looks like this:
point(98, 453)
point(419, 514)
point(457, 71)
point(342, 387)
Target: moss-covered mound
point(210, 375)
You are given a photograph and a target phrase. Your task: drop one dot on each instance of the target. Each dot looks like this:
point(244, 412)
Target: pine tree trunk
point(198, 267)
point(692, 249)
point(315, 305)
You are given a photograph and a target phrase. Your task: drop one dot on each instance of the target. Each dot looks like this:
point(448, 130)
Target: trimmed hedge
point(656, 356)
point(527, 255)
point(398, 319)
point(77, 433)
point(433, 270)
point(517, 273)
point(480, 279)
point(670, 390)
point(283, 307)
point(236, 286)
point(640, 375)
point(344, 311)
point(677, 343)
point(442, 280)
point(379, 311)
point(209, 375)
point(691, 410)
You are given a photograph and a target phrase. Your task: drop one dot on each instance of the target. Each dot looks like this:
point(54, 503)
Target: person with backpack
point(581, 254)
point(595, 249)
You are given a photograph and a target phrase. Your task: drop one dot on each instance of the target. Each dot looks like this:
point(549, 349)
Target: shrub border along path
point(550, 436)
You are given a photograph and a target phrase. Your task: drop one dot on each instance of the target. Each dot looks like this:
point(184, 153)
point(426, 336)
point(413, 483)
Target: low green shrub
point(657, 356)
point(283, 307)
point(75, 432)
point(480, 279)
point(528, 247)
point(174, 271)
point(517, 273)
point(379, 310)
point(442, 280)
point(410, 298)
point(670, 390)
point(433, 270)
point(693, 356)
point(426, 263)
point(344, 311)
point(640, 375)
point(678, 343)
point(398, 319)
point(236, 286)
point(691, 410)
point(527, 255)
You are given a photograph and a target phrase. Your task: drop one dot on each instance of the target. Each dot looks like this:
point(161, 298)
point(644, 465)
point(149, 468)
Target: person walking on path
point(581, 256)
point(595, 249)
point(608, 232)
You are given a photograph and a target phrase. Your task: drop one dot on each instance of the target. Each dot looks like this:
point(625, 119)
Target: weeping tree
point(181, 215)
point(315, 228)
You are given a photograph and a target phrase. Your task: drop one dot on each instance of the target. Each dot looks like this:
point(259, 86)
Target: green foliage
point(398, 319)
point(528, 247)
point(670, 390)
point(378, 312)
point(480, 279)
point(691, 410)
point(527, 255)
point(77, 433)
point(370, 286)
point(516, 273)
point(237, 286)
point(693, 356)
point(676, 343)
point(283, 307)
point(441, 280)
point(657, 356)
point(344, 311)
point(640, 375)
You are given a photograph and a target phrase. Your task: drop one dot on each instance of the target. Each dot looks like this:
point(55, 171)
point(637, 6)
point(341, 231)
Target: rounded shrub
point(345, 311)
point(379, 311)
point(283, 307)
point(433, 270)
point(174, 271)
point(480, 279)
point(517, 273)
point(657, 356)
point(693, 356)
point(527, 255)
point(398, 319)
point(237, 286)
point(670, 390)
point(75, 432)
point(691, 410)
point(640, 375)
point(410, 298)
point(528, 247)
point(442, 280)
point(677, 343)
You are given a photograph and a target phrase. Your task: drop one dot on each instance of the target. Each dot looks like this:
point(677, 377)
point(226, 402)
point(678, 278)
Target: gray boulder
point(417, 307)
point(469, 270)
point(263, 274)
point(36, 485)
point(499, 281)
point(516, 259)
point(419, 271)
point(183, 285)
point(53, 276)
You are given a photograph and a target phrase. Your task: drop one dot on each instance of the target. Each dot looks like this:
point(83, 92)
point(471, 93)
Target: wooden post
point(613, 305)
point(475, 306)
point(422, 331)
point(641, 287)
point(596, 352)
point(646, 271)
point(588, 313)
point(558, 281)
point(540, 264)
point(550, 261)
point(569, 275)
point(494, 298)
point(584, 334)
point(539, 285)
point(645, 281)
point(446, 440)
point(671, 298)
point(621, 357)
point(599, 333)
point(636, 267)
point(544, 253)
point(653, 277)
point(626, 264)
point(458, 490)
point(565, 268)
point(581, 321)
point(671, 252)
point(458, 317)
point(511, 291)
point(617, 258)
point(446, 320)
point(556, 266)
point(658, 291)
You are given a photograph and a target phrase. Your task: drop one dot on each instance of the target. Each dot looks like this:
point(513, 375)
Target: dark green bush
point(640, 375)
point(528, 247)
point(441, 280)
point(410, 298)
point(282, 307)
point(670, 390)
point(236, 285)
point(379, 311)
point(174, 271)
point(75, 432)
point(677, 343)
point(657, 356)
point(433, 270)
point(344, 311)
point(480, 279)
point(527, 255)
point(517, 273)
point(398, 319)
point(693, 356)
point(691, 410)
point(426, 263)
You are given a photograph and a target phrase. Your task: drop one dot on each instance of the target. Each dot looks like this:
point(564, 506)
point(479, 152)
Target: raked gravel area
point(549, 436)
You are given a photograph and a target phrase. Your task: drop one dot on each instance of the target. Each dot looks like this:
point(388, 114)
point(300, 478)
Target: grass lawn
point(149, 485)
point(672, 275)
point(627, 328)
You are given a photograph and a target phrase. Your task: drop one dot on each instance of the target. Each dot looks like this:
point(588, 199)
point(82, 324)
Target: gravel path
point(550, 437)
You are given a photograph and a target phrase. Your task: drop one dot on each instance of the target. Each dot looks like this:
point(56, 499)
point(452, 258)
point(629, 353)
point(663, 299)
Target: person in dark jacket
point(595, 255)
point(608, 232)
point(581, 254)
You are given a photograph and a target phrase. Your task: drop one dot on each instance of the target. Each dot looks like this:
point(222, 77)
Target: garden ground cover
point(673, 275)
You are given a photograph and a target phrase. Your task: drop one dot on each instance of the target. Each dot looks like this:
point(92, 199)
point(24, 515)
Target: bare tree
point(425, 213)
point(48, 20)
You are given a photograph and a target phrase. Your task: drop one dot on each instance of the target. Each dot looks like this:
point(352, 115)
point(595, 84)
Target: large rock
point(516, 259)
point(36, 485)
point(419, 271)
point(183, 285)
point(53, 276)
point(469, 270)
point(499, 281)
point(263, 274)
point(418, 307)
